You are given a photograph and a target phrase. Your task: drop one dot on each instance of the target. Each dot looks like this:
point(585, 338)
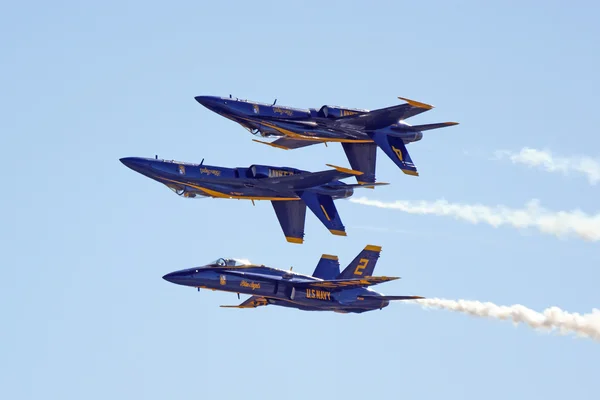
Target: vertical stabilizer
point(363, 265)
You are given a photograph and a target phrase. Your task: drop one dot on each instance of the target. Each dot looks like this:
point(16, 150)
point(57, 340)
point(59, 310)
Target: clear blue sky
point(85, 241)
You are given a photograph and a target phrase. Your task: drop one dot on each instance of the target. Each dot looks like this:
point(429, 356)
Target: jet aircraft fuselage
point(326, 290)
point(198, 180)
point(359, 131)
point(323, 125)
point(290, 190)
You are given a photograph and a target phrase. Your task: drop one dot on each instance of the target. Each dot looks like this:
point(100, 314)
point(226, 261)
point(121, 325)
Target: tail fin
point(362, 157)
point(322, 206)
point(363, 265)
point(291, 216)
point(327, 268)
point(396, 150)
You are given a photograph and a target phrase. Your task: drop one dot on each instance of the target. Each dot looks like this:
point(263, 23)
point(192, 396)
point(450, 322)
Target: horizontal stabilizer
point(364, 185)
point(375, 297)
point(428, 127)
point(252, 302)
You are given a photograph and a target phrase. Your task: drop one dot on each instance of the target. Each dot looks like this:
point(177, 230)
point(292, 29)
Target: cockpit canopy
point(229, 262)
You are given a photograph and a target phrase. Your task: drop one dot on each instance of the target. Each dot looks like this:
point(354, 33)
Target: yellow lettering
point(251, 285)
point(361, 265)
point(398, 153)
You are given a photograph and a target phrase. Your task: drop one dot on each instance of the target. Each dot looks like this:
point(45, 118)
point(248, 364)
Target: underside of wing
point(252, 302)
point(287, 143)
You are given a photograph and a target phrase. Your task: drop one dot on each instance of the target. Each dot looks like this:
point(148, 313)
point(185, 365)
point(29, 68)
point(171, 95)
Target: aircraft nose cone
point(209, 102)
point(128, 161)
point(170, 277)
point(135, 163)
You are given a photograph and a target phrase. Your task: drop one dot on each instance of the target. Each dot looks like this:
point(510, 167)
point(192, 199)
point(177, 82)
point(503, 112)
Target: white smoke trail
point(560, 223)
point(553, 318)
point(544, 159)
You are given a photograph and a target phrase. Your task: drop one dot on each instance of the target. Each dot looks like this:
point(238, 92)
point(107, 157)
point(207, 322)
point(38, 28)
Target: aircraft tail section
point(362, 157)
point(291, 216)
point(328, 267)
point(396, 150)
point(322, 206)
point(428, 127)
point(363, 264)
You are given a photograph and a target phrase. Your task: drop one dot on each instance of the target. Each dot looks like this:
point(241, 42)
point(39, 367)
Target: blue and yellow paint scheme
point(327, 289)
point(290, 190)
point(359, 131)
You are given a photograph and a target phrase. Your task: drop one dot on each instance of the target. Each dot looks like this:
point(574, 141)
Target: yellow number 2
point(361, 265)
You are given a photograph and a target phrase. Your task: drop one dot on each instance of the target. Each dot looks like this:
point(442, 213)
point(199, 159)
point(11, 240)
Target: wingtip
point(271, 144)
point(338, 233)
point(345, 170)
point(417, 104)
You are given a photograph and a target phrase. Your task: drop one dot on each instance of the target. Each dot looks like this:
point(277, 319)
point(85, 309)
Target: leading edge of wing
point(346, 283)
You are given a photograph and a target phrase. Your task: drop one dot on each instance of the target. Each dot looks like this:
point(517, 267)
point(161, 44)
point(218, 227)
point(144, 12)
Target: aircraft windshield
point(229, 262)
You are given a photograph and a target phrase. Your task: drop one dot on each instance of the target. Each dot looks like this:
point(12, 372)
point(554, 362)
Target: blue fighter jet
point(359, 131)
point(326, 290)
point(290, 190)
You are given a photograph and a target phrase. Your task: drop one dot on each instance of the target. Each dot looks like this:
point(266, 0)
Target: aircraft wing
point(252, 302)
point(346, 283)
point(307, 180)
point(287, 143)
point(383, 117)
point(327, 284)
point(257, 276)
